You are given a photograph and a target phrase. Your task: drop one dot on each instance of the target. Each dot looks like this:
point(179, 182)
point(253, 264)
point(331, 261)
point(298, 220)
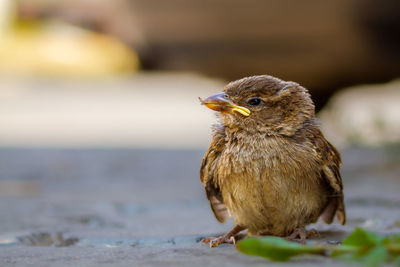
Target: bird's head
point(263, 104)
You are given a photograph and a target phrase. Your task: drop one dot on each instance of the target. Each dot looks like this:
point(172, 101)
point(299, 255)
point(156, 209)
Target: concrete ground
point(78, 196)
point(93, 207)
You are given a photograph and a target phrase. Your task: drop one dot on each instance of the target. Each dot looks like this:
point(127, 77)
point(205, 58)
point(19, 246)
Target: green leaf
point(375, 257)
point(372, 257)
point(396, 261)
point(362, 238)
point(393, 239)
point(275, 248)
point(360, 246)
point(368, 248)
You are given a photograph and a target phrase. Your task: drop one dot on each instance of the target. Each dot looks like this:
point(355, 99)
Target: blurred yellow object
point(57, 48)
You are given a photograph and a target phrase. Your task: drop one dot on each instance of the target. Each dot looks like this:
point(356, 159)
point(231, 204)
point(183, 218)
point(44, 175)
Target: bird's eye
point(255, 101)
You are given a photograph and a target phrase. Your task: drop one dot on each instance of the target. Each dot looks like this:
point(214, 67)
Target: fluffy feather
point(273, 171)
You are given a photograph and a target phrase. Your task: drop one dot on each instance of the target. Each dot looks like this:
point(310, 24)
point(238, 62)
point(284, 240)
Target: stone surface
point(138, 207)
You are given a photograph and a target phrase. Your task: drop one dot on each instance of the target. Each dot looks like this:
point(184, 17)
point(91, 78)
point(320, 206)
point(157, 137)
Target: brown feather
point(208, 175)
point(331, 165)
point(272, 170)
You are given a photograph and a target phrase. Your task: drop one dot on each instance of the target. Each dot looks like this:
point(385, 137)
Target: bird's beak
point(219, 102)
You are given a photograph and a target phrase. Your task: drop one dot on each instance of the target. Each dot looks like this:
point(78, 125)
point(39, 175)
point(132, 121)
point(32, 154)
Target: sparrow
point(268, 165)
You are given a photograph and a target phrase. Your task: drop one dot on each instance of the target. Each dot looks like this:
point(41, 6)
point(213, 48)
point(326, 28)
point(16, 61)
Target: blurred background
point(101, 131)
point(127, 72)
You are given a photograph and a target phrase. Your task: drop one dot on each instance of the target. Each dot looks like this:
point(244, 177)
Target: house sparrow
point(268, 164)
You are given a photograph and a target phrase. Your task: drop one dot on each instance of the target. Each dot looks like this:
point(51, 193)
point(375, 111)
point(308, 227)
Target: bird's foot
point(216, 241)
point(228, 238)
point(300, 233)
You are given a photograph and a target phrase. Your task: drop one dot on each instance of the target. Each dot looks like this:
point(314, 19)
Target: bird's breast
point(270, 177)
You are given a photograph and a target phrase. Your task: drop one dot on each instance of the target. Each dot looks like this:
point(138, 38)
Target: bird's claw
point(302, 234)
point(216, 241)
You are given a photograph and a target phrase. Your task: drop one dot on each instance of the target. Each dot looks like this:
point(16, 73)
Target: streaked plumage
point(272, 170)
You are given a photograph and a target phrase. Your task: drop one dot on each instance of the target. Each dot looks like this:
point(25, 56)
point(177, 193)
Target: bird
point(268, 164)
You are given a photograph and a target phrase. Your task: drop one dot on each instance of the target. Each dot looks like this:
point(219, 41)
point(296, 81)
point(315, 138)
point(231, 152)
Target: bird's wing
point(331, 162)
point(209, 173)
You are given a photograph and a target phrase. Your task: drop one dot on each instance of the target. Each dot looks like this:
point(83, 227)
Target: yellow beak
point(219, 102)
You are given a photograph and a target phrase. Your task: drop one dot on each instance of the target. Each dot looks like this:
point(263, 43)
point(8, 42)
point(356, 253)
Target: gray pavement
point(146, 207)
